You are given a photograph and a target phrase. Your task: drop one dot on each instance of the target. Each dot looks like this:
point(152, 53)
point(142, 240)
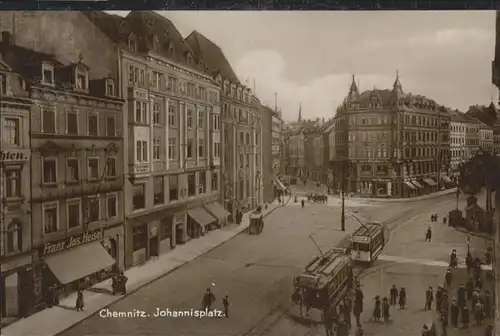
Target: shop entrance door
point(179, 234)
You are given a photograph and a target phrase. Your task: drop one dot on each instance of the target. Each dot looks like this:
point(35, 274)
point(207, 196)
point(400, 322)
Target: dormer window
point(81, 79)
point(110, 88)
point(132, 43)
point(47, 74)
point(189, 58)
point(156, 43)
point(171, 48)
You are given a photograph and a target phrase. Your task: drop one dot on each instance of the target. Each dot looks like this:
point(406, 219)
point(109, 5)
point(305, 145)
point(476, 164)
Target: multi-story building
point(296, 147)
point(277, 143)
point(313, 151)
point(472, 136)
point(457, 143)
point(76, 170)
point(16, 255)
point(172, 126)
point(240, 128)
point(267, 157)
point(329, 150)
point(489, 116)
point(389, 143)
point(485, 137)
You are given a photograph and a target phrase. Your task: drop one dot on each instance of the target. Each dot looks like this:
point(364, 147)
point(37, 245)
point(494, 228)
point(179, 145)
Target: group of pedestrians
point(382, 307)
point(209, 299)
point(470, 301)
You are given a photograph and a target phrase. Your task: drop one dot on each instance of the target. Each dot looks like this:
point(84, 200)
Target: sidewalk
point(402, 200)
point(53, 321)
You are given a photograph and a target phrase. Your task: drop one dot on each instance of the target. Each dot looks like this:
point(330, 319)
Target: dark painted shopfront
point(152, 234)
point(78, 261)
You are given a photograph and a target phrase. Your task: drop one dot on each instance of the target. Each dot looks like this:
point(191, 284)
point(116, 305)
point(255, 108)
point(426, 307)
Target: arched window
point(14, 237)
point(156, 43)
point(132, 43)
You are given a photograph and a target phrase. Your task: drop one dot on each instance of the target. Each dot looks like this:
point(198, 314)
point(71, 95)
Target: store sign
point(15, 155)
point(70, 242)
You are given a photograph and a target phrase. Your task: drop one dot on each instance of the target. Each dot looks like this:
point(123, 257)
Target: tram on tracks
point(367, 242)
point(324, 283)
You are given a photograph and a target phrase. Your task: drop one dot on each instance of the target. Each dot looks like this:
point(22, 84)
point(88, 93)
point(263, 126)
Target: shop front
point(78, 261)
point(16, 288)
point(420, 188)
point(200, 221)
point(430, 185)
point(218, 211)
point(410, 189)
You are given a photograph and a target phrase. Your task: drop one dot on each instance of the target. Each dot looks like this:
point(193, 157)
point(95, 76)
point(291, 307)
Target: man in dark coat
point(429, 297)
point(208, 299)
point(465, 314)
point(394, 295)
point(439, 297)
point(357, 310)
point(454, 310)
point(402, 298)
point(461, 295)
point(428, 234)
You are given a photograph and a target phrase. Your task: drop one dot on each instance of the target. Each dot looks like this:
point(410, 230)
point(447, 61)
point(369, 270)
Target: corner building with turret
point(389, 143)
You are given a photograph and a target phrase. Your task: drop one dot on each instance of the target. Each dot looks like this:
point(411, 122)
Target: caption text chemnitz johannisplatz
point(161, 313)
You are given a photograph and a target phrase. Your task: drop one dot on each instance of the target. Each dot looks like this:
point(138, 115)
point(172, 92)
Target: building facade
point(457, 143)
point(16, 255)
point(389, 143)
point(172, 125)
point(485, 137)
point(296, 140)
point(76, 171)
point(267, 156)
point(313, 152)
point(241, 134)
point(472, 136)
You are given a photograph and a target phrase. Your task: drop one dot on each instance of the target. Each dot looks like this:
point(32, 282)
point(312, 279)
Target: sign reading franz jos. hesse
point(70, 242)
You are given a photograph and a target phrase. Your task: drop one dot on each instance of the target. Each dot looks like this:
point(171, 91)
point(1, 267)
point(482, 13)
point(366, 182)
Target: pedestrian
point(357, 310)
point(79, 300)
point(454, 310)
point(468, 262)
point(297, 299)
point(327, 317)
point(225, 302)
point(444, 323)
point(49, 296)
point(123, 283)
point(465, 316)
point(461, 295)
point(488, 309)
point(475, 299)
point(402, 298)
point(302, 202)
point(469, 287)
point(208, 300)
point(428, 234)
point(478, 312)
point(479, 283)
point(429, 298)
point(385, 310)
point(377, 309)
point(448, 277)
point(347, 312)
point(394, 295)
point(439, 297)
point(56, 295)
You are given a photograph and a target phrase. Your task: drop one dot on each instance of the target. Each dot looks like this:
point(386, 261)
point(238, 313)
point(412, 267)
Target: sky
point(308, 58)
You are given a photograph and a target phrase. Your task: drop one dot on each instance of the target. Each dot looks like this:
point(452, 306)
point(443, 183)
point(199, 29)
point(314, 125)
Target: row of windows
point(238, 114)
point(142, 149)
point(169, 83)
point(73, 174)
point(237, 92)
point(49, 123)
point(174, 192)
point(78, 211)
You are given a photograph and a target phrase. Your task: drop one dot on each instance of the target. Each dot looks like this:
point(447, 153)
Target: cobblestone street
point(257, 271)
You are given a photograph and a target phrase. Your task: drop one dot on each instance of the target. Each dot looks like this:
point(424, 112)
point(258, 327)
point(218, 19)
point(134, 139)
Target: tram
point(326, 280)
point(367, 242)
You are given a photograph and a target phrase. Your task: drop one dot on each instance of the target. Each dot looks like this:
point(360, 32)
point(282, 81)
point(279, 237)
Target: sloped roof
point(145, 25)
point(22, 60)
point(486, 114)
point(212, 56)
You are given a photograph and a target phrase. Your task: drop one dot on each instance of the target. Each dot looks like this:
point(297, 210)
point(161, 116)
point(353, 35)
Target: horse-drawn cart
point(256, 222)
point(317, 198)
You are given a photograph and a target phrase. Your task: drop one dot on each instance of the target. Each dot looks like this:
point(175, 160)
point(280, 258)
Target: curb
point(401, 200)
point(472, 233)
point(162, 275)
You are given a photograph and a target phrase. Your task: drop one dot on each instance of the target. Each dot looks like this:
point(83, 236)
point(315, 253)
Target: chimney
point(7, 37)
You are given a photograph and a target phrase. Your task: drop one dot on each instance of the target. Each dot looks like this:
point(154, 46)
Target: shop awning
point(446, 179)
point(415, 182)
point(79, 262)
point(217, 210)
point(430, 182)
point(279, 184)
point(411, 186)
point(201, 216)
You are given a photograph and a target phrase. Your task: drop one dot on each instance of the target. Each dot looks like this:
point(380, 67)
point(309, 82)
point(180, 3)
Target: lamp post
point(342, 215)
